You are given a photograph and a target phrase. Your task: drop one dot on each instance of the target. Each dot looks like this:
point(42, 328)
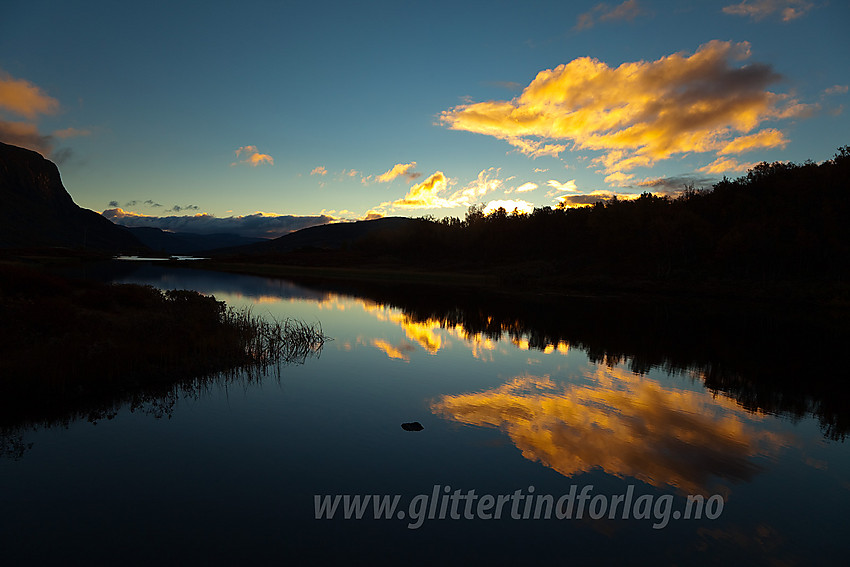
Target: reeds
point(273, 341)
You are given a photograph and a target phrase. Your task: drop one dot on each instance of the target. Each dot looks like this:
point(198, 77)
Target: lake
point(559, 431)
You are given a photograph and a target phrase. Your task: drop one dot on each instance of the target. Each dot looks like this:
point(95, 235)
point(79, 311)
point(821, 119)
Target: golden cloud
point(398, 170)
point(725, 165)
point(769, 138)
point(640, 112)
point(253, 157)
point(372, 214)
point(759, 9)
point(566, 186)
point(426, 194)
point(526, 187)
point(619, 178)
point(24, 98)
point(586, 199)
point(487, 182)
point(627, 425)
point(320, 170)
point(431, 192)
point(399, 353)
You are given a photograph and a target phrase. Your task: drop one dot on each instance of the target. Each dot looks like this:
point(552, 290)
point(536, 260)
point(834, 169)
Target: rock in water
point(412, 426)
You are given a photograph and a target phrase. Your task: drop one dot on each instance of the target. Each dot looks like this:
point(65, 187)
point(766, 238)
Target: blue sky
point(525, 103)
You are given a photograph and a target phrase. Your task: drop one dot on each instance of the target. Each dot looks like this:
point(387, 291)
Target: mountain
point(37, 210)
point(328, 236)
point(185, 243)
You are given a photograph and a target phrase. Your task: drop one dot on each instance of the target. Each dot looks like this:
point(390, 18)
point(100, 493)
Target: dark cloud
point(62, 155)
point(584, 199)
point(678, 182)
point(150, 203)
point(113, 204)
point(256, 225)
point(178, 208)
point(628, 10)
point(26, 136)
point(510, 85)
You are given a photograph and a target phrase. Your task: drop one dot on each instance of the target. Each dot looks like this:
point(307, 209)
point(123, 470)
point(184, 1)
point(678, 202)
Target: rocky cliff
point(37, 211)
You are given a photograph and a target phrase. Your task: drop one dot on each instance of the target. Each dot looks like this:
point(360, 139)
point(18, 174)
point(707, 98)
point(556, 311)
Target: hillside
point(327, 237)
point(184, 243)
point(37, 211)
point(782, 231)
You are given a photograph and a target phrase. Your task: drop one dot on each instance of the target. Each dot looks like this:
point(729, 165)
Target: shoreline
point(502, 280)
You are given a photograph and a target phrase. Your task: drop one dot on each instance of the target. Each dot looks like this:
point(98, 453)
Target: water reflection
point(684, 400)
point(770, 360)
point(625, 424)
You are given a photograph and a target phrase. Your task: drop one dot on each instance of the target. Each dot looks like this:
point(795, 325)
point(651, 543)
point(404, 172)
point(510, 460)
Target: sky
point(265, 117)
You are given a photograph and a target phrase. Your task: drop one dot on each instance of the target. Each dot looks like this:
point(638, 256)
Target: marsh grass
point(71, 349)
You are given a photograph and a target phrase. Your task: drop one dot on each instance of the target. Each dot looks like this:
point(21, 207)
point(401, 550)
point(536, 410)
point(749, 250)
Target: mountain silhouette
point(327, 236)
point(182, 243)
point(37, 211)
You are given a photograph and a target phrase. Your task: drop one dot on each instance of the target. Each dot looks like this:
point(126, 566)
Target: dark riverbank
point(73, 347)
point(536, 279)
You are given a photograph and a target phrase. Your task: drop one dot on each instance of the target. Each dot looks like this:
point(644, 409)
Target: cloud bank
point(257, 225)
point(642, 112)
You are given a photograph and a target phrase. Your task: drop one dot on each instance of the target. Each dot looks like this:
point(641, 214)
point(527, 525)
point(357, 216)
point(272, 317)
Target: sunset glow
point(347, 117)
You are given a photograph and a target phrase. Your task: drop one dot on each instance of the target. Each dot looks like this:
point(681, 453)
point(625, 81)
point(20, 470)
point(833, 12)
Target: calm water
point(231, 474)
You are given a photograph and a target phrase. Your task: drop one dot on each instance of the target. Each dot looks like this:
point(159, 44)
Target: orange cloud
point(373, 215)
point(637, 113)
point(759, 9)
point(320, 170)
point(627, 425)
point(619, 179)
point(398, 170)
point(24, 98)
point(725, 165)
point(253, 157)
point(769, 138)
point(25, 135)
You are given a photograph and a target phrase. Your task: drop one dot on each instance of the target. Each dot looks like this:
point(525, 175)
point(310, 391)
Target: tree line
point(780, 221)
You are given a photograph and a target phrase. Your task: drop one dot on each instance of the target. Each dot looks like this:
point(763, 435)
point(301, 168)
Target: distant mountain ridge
point(184, 243)
point(325, 237)
point(38, 211)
